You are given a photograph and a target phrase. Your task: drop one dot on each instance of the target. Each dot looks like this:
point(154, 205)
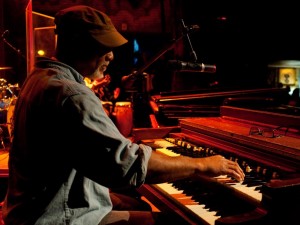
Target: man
point(66, 153)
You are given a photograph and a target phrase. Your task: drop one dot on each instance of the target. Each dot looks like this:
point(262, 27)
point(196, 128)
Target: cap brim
point(110, 39)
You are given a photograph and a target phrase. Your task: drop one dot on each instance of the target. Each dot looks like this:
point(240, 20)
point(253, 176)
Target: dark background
point(240, 38)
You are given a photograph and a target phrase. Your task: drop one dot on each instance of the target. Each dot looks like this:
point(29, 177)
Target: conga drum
point(123, 117)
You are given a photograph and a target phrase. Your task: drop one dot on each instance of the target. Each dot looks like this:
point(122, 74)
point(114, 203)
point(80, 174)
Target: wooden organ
point(265, 144)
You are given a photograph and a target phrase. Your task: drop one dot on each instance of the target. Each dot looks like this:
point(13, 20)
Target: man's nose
point(109, 56)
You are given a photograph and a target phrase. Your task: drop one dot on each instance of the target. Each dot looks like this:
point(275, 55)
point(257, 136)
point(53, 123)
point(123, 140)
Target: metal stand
point(135, 82)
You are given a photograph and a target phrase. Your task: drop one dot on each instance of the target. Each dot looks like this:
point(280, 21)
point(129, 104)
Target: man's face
point(99, 65)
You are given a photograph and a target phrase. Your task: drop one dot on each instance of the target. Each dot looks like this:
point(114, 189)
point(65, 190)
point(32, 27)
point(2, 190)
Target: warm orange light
point(41, 52)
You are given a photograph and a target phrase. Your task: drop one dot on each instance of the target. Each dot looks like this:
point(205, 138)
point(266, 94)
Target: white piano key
point(248, 190)
point(221, 177)
point(167, 152)
point(163, 143)
point(169, 188)
point(199, 209)
point(209, 216)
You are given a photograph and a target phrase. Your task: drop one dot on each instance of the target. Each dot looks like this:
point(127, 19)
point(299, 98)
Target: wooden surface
point(3, 163)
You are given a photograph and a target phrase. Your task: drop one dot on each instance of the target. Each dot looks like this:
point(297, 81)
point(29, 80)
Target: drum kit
point(8, 97)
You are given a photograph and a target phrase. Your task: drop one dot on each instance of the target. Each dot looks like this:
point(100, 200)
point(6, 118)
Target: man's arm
point(163, 168)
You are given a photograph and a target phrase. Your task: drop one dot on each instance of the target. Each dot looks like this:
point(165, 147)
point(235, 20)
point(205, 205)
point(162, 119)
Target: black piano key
point(255, 183)
point(220, 202)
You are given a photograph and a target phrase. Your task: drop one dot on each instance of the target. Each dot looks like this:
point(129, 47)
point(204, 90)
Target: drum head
point(123, 104)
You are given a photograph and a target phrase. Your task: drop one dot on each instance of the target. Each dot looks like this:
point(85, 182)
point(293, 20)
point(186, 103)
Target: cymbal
point(5, 68)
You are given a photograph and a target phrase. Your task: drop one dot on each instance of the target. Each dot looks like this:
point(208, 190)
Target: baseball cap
point(86, 21)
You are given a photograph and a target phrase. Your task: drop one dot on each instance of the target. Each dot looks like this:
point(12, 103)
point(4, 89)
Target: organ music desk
point(270, 193)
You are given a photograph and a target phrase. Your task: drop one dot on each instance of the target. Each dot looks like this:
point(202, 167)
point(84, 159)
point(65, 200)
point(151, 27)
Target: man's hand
point(217, 165)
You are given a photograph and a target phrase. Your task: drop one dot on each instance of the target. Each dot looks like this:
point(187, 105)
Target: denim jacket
point(66, 152)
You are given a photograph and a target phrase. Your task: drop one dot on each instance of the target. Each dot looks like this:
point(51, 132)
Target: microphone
point(191, 66)
point(191, 28)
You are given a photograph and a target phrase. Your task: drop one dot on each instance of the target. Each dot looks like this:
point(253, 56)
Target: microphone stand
point(193, 53)
point(186, 32)
point(137, 97)
point(140, 72)
point(18, 51)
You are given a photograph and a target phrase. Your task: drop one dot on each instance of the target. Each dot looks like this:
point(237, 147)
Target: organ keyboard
point(270, 192)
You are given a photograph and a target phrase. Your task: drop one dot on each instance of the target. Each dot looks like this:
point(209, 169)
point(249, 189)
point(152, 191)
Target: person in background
point(67, 154)
point(100, 87)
